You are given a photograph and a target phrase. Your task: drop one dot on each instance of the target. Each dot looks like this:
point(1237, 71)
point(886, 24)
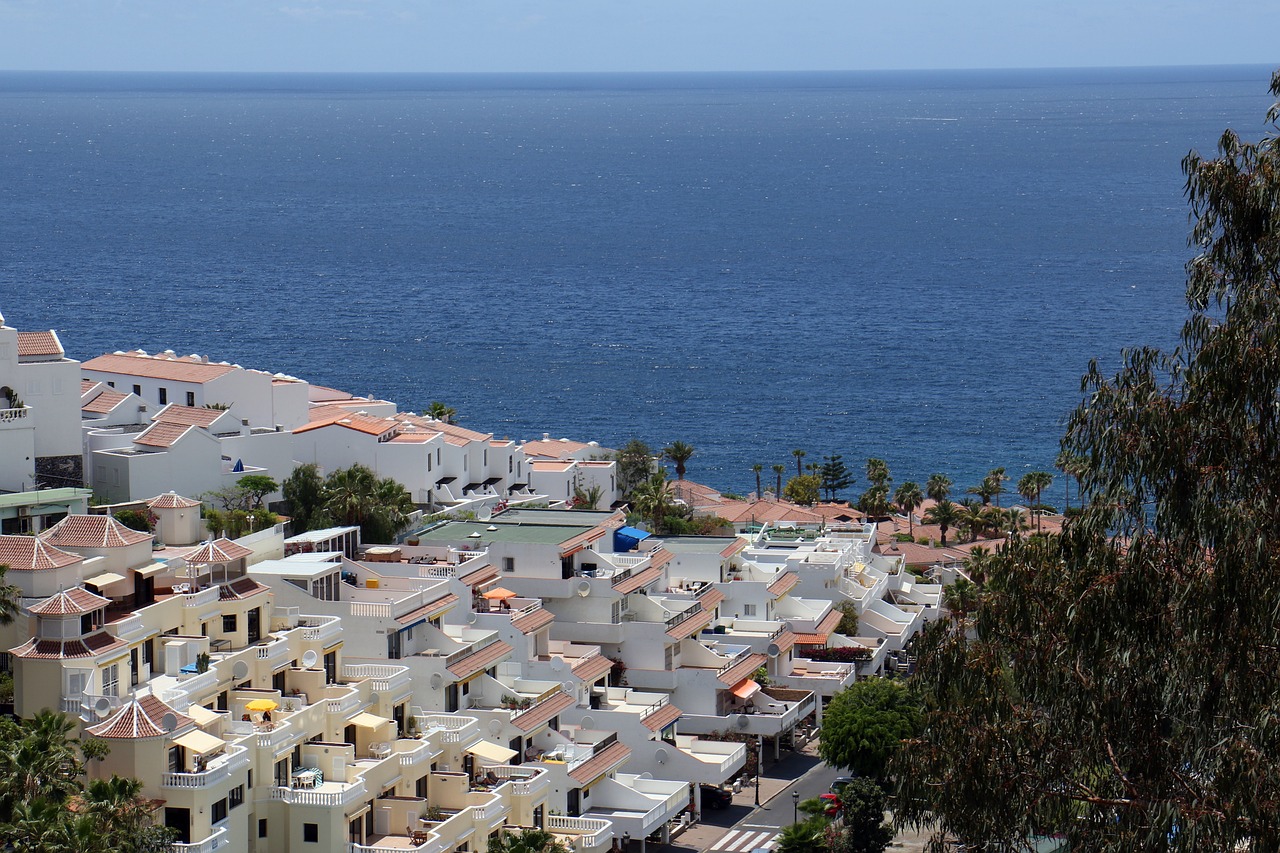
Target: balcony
point(452, 729)
point(320, 629)
point(16, 418)
point(525, 781)
point(384, 678)
point(415, 752)
point(325, 794)
point(219, 770)
point(217, 841)
point(202, 598)
point(583, 834)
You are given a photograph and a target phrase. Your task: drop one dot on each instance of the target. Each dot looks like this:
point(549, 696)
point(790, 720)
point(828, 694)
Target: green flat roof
point(697, 544)
point(44, 496)
point(538, 534)
point(584, 518)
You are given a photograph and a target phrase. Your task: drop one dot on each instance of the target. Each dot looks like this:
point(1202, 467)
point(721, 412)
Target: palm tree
point(978, 564)
point(9, 595)
point(984, 490)
point(945, 514)
point(803, 837)
point(678, 452)
point(389, 510)
point(653, 499)
point(938, 487)
point(878, 472)
point(1070, 465)
point(527, 840)
point(348, 493)
point(798, 454)
point(757, 468)
point(997, 478)
point(909, 497)
point(960, 598)
point(973, 518)
point(440, 412)
point(778, 469)
point(1031, 486)
point(1013, 521)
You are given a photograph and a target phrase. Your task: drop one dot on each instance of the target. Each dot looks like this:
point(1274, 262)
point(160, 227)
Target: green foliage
point(778, 470)
point(909, 497)
point(304, 492)
point(799, 457)
point(804, 837)
point(256, 487)
point(865, 724)
point(938, 487)
point(848, 618)
point(654, 501)
point(1121, 687)
point(527, 840)
point(440, 412)
point(6, 687)
point(587, 498)
point(874, 502)
point(135, 520)
point(635, 465)
point(945, 514)
point(802, 489)
point(679, 453)
point(863, 829)
point(878, 473)
point(834, 475)
point(356, 496)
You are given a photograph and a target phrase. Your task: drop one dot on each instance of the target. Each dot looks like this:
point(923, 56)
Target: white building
point(39, 425)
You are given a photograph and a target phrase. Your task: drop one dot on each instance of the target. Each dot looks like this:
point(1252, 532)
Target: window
point(111, 384)
point(191, 398)
point(137, 389)
point(236, 796)
point(219, 812)
point(311, 832)
point(668, 656)
point(748, 610)
point(164, 396)
point(228, 623)
point(111, 680)
point(617, 611)
point(508, 564)
point(511, 464)
point(262, 827)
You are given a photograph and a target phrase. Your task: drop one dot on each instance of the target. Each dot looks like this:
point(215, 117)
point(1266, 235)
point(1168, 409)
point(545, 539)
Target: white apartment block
point(39, 435)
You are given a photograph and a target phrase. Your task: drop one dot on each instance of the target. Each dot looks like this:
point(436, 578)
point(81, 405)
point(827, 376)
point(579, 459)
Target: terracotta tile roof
point(39, 343)
point(577, 543)
point(734, 547)
point(429, 609)
point(553, 465)
point(217, 551)
point(711, 599)
point(453, 434)
point(68, 602)
point(742, 669)
point(481, 660)
point(785, 640)
point(104, 402)
point(761, 511)
point(830, 621)
point(92, 531)
point(335, 415)
point(589, 670)
point(823, 630)
point(690, 626)
point(531, 622)
point(29, 554)
point(87, 385)
point(598, 765)
point(660, 557)
point(811, 639)
point(543, 711)
point(91, 646)
point(161, 434)
point(552, 448)
point(637, 580)
point(167, 367)
point(171, 500)
point(785, 582)
point(480, 575)
point(144, 717)
point(240, 589)
point(191, 415)
point(661, 718)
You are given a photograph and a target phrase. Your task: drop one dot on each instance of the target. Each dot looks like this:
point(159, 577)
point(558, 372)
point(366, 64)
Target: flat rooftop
point(563, 517)
point(697, 544)
point(460, 532)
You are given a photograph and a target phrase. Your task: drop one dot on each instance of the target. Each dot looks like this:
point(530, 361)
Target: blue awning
point(626, 538)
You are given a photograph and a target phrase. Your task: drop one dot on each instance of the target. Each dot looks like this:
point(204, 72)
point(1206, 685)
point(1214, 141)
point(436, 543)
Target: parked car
point(715, 797)
point(839, 782)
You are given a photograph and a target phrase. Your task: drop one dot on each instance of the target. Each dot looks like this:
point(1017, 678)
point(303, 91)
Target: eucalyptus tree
point(1120, 687)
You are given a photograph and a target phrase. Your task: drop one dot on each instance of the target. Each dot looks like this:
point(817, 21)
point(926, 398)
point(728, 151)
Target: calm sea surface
point(910, 265)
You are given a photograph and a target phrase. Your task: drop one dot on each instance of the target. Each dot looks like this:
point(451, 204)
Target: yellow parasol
point(261, 705)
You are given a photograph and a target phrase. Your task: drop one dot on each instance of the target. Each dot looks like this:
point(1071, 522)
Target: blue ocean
point(917, 266)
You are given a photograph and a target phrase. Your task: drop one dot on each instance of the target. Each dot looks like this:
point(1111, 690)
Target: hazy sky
point(629, 35)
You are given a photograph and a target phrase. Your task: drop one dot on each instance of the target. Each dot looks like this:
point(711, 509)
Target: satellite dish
point(588, 721)
point(240, 670)
point(373, 698)
point(660, 755)
point(495, 727)
point(436, 681)
point(645, 775)
point(472, 617)
point(169, 721)
point(584, 588)
point(774, 650)
point(102, 706)
point(485, 513)
point(309, 658)
point(559, 665)
point(570, 687)
point(743, 722)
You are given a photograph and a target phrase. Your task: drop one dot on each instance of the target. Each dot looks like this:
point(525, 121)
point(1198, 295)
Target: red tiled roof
point(638, 580)
point(242, 588)
point(553, 448)
point(429, 609)
point(71, 601)
point(783, 583)
point(480, 575)
point(162, 434)
point(659, 557)
point(543, 711)
point(596, 766)
point(733, 547)
point(577, 543)
point(824, 629)
point(690, 626)
point(157, 367)
point(141, 718)
point(104, 402)
point(86, 385)
point(482, 659)
point(39, 343)
point(91, 646)
point(92, 531)
point(367, 424)
point(661, 718)
point(591, 669)
point(29, 554)
point(711, 598)
point(217, 551)
point(531, 622)
point(785, 640)
point(760, 511)
point(171, 500)
point(742, 669)
point(190, 415)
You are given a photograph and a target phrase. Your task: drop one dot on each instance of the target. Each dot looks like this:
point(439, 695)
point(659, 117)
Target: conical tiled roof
point(29, 554)
point(143, 717)
point(217, 551)
point(71, 601)
point(92, 531)
point(171, 500)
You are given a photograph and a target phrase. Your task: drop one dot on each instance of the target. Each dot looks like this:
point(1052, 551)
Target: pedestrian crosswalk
point(744, 841)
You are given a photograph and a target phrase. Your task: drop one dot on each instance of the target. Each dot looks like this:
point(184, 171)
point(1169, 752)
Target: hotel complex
point(508, 661)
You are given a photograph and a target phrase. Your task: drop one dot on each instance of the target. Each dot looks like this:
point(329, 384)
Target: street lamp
point(759, 765)
point(795, 806)
point(626, 842)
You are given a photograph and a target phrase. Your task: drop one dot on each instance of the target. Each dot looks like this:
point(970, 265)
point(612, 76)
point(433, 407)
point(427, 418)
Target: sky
point(629, 35)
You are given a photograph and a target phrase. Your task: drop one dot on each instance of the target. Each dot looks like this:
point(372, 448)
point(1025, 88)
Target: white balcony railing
point(382, 677)
point(524, 783)
point(589, 833)
point(320, 629)
point(220, 769)
point(348, 794)
point(217, 841)
point(203, 598)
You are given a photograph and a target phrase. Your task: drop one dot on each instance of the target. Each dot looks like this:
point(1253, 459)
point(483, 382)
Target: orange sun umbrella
point(500, 593)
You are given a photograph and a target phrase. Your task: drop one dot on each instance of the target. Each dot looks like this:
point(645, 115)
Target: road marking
point(737, 841)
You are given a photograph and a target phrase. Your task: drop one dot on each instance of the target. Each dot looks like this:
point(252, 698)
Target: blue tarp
point(626, 538)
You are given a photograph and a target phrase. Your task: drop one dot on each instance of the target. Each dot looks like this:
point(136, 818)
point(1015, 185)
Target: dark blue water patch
point(911, 265)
